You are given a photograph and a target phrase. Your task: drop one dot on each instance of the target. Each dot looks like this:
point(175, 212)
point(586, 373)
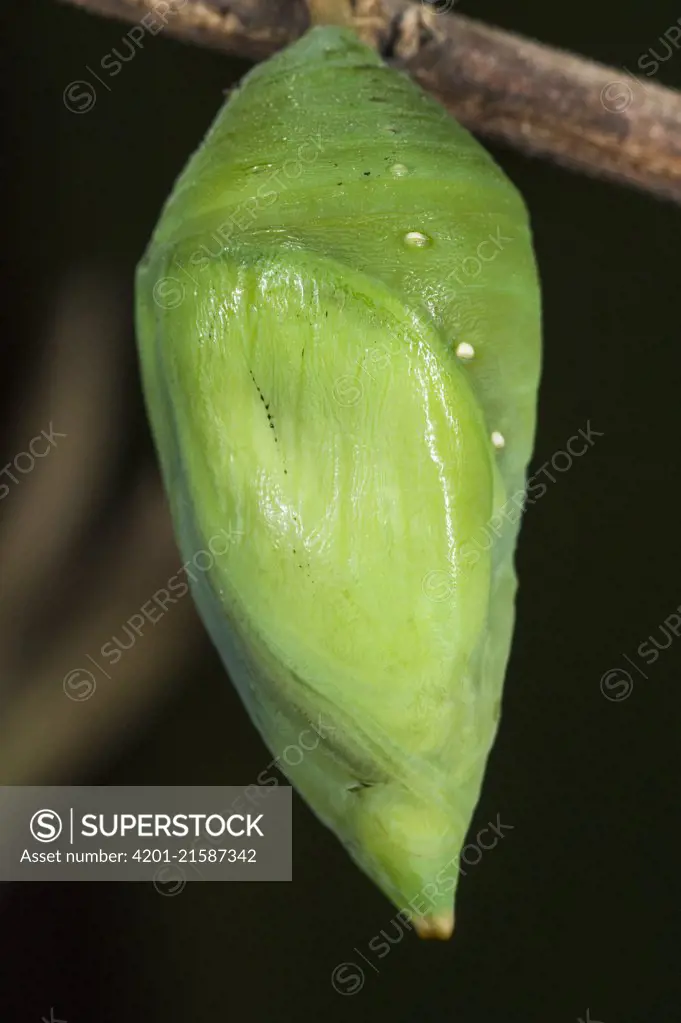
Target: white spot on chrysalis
point(466, 352)
point(398, 170)
point(417, 239)
point(498, 440)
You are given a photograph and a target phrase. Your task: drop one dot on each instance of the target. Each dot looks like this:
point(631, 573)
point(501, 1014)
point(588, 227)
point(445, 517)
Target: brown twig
point(592, 118)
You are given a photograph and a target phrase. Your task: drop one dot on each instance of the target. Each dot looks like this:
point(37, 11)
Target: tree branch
point(546, 102)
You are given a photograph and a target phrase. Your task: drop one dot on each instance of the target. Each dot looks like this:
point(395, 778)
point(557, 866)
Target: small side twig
point(544, 101)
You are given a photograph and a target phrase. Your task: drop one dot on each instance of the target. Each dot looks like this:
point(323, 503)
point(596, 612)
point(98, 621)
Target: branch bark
point(592, 118)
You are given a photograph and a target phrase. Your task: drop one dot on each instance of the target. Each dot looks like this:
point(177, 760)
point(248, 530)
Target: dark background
point(576, 908)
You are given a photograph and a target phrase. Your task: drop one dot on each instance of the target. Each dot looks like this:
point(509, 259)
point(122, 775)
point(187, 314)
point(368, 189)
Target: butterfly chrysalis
point(339, 329)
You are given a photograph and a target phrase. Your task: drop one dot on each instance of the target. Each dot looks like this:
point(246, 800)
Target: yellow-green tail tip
point(440, 925)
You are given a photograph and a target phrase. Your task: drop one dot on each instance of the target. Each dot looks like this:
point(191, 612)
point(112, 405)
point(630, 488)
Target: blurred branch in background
point(61, 703)
point(596, 119)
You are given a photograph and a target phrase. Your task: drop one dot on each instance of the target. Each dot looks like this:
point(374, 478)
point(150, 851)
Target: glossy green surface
point(331, 244)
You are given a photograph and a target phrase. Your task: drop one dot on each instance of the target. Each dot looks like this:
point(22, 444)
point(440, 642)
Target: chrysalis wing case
point(339, 331)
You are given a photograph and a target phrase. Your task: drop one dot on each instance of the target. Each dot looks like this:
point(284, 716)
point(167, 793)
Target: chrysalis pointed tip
point(440, 926)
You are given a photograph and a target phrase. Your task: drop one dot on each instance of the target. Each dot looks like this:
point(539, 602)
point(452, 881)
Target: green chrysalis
point(339, 320)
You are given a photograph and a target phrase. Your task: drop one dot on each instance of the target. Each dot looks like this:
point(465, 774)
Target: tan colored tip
point(441, 926)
